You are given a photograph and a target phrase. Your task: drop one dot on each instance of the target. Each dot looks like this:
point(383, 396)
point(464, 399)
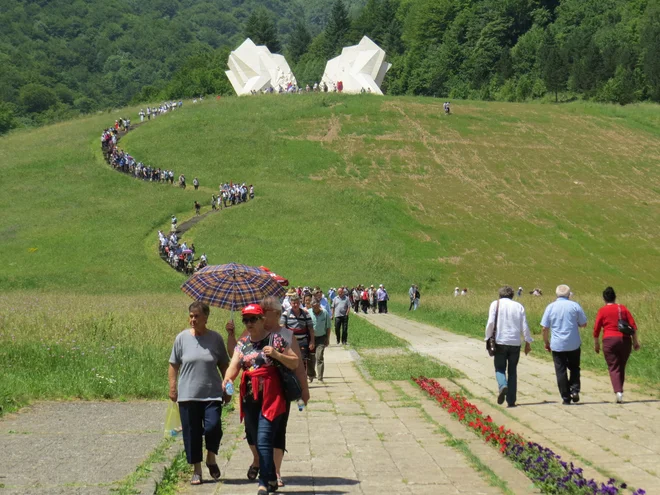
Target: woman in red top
point(616, 345)
point(262, 398)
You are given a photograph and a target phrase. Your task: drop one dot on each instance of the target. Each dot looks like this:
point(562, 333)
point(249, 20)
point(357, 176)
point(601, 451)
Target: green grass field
point(349, 190)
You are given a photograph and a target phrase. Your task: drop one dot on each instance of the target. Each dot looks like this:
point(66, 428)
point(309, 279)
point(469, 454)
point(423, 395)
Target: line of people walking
point(561, 323)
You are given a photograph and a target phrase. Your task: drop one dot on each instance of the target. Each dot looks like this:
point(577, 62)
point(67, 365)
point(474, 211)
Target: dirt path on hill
point(623, 440)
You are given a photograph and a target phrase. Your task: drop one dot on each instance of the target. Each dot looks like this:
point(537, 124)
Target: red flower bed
point(469, 414)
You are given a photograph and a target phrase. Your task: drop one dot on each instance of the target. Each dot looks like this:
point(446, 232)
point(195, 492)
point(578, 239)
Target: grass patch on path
point(403, 366)
point(364, 335)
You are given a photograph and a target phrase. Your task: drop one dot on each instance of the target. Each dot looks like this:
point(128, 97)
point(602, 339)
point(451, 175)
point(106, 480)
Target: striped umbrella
point(231, 286)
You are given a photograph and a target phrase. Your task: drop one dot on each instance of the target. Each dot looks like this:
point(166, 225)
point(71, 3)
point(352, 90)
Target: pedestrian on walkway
point(373, 299)
point(197, 208)
point(322, 325)
point(196, 183)
point(300, 323)
point(616, 344)
point(383, 297)
point(508, 323)
point(197, 364)
point(341, 309)
point(262, 400)
point(272, 312)
point(563, 319)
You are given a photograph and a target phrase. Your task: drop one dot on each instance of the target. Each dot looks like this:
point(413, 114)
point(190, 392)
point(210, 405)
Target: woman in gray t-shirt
point(198, 364)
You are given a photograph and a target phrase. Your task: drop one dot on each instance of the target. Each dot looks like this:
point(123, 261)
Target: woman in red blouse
point(262, 398)
point(616, 345)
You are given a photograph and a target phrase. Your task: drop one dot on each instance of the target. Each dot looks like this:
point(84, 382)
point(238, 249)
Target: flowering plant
point(545, 468)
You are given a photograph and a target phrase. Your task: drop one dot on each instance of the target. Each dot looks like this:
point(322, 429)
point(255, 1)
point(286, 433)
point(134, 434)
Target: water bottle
point(301, 405)
point(229, 388)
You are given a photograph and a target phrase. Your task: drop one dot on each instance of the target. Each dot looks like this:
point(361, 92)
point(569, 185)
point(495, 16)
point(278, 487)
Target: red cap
point(252, 309)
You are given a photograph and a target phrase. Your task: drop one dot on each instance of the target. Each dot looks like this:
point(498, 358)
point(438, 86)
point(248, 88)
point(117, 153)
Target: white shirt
point(511, 323)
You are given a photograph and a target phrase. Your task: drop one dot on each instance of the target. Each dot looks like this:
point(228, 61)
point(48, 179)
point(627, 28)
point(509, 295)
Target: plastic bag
point(172, 421)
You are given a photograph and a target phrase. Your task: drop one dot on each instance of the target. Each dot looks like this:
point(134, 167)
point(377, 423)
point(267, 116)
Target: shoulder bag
point(491, 344)
point(624, 326)
point(290, 384)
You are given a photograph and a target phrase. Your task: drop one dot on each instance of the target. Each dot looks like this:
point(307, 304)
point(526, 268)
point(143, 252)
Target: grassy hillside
point(348, 190)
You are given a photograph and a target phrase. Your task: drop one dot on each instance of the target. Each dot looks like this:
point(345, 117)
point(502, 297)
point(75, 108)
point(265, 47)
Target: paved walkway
point(623, 440)
point(76, 447)
point(357, 439)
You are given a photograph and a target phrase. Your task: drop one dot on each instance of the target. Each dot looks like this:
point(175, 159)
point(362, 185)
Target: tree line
point(64, 57)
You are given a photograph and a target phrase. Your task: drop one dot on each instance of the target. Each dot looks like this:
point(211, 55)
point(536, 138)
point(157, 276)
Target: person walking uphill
point(507, 322)
point(383, 297)
point(300, 323)
point(197, 363)
point(563, 320)
point(322, 325)
point(341, 308)
point(618, 339)
point(262, 399)
point(414, 295)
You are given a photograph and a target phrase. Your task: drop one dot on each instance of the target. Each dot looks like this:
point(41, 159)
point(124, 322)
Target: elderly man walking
point(321, 320)
point(341, 308)
point(507, 321)
point(563, 319)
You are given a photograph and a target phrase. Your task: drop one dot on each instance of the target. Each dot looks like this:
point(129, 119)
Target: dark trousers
point(341, 325)
point(200, 419)
point(365, 306)
point(567, 369)
point(616, 352)
point(506, 370)
point(263, 432)
point(382, 306)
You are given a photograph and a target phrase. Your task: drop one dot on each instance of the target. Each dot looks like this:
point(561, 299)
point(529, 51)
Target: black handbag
point(290, 384)
point(624, 326)
point(491, 344)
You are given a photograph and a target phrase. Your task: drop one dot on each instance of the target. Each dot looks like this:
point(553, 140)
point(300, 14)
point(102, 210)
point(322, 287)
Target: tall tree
point(553, 67)
point(338, 29)
point(650, 45)
point(260, 28)
point(299, 41)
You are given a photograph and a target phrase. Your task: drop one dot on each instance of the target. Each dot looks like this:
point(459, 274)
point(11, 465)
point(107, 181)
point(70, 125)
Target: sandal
point(280, 483)
point(253, 472)
point(262, 491)
point(272, 486)
point(196, 479)
point(214, 471)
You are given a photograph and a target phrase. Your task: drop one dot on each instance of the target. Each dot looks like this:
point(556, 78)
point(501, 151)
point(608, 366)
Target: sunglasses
point(250, 320)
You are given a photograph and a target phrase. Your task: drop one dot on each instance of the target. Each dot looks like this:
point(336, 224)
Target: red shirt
point(607, 319)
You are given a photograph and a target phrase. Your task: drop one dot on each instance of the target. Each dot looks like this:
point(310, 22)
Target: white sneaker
point(619, 397)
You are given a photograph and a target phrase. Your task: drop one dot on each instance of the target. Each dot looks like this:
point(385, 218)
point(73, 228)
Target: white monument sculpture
point(359, 67)
point(254, 69)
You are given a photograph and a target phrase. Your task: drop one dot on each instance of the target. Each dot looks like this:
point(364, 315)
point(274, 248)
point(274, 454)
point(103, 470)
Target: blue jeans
point(257, 426)
point(506, 359)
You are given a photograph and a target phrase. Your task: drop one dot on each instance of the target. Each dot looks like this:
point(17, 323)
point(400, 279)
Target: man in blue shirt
point(564, 318)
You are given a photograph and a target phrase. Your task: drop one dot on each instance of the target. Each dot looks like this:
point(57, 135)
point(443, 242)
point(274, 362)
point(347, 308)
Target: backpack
point(365, 296)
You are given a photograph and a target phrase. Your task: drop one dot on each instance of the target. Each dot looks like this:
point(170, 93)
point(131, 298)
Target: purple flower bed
point(552, 475)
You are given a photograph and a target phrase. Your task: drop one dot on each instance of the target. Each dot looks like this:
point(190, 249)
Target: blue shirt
point(563, 317)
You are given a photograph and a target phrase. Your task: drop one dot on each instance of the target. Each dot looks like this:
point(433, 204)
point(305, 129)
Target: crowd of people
point(153, 112)
point(317, 87)
point(180, 256)
point(293, 333)
point(561, 323)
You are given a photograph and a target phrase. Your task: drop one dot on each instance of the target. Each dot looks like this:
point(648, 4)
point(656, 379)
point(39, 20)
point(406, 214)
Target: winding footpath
point(622, 441)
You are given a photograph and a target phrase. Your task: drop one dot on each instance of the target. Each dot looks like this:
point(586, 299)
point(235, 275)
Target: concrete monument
point(359, 68)
point(253, 68)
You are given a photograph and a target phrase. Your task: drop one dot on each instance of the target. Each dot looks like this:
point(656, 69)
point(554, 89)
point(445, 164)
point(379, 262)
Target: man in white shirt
point(506, 318)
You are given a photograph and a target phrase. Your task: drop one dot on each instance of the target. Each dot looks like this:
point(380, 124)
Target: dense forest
point(62, 57)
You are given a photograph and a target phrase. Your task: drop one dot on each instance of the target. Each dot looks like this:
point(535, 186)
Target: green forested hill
point(82, 55)
point(62, 57)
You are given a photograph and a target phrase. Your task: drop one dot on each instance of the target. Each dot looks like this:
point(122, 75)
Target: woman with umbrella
point(262, 398)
